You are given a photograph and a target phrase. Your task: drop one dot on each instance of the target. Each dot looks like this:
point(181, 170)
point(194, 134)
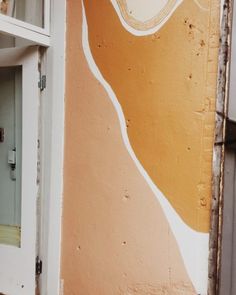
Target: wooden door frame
point(219, 151)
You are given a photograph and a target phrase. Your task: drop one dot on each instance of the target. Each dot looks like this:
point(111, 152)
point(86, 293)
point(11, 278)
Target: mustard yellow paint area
point(166, 85)
point(116, 239)
point(204, 4)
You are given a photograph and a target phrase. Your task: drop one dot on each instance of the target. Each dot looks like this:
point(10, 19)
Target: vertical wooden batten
point(219, 151)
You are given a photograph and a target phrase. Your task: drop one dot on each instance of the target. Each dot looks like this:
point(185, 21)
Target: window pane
point(10, 154)
point(30, 11)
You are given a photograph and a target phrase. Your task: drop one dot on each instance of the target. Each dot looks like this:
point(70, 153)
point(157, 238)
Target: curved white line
point(153, 30)
point(140, 32)
point(200, 6)
point(193, 245)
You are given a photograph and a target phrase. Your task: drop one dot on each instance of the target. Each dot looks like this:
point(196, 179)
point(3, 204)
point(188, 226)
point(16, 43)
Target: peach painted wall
point(140, 105)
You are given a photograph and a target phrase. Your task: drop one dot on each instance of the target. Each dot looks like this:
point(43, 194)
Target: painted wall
point(140, 106)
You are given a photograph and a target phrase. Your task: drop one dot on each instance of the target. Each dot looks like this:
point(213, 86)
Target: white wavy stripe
point(193, 245)
point(200, 5)
point(148, 31)
point(153, 30)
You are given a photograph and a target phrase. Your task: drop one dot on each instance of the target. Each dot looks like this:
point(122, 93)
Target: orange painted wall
point(161, 84)
point(116, 238)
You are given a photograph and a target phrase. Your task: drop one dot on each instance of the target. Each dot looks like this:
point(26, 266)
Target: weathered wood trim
point(218, 151)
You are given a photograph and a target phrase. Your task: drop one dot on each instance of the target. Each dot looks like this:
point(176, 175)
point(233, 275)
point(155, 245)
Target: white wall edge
point(53, 152)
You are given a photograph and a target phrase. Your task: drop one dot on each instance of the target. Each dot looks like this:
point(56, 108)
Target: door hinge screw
point(39, 266)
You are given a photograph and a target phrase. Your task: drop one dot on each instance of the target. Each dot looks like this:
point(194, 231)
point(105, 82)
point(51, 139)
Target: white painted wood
point(17, 267)
point(25, 33)
point(47, 14)
point(22, 24)
point(53, 151)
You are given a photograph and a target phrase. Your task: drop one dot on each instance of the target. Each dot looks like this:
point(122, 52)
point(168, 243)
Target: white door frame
point(52, 130)
point(17, 271)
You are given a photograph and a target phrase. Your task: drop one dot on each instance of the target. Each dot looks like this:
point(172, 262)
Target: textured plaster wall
point(156, 68)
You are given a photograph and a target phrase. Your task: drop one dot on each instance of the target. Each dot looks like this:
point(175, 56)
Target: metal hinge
point(42, 82)
point(38, 266)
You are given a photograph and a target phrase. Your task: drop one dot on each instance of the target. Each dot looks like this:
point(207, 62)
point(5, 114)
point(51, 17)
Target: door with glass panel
point(18, 169)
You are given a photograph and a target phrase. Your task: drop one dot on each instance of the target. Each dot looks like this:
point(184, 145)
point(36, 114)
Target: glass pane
point(10, 154)
point(30, 11)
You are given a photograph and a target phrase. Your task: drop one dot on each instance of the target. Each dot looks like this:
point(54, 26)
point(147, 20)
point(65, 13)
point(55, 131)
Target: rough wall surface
point(140, 104)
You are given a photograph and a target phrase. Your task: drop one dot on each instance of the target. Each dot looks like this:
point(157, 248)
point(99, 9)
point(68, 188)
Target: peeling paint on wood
point(218, 154)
